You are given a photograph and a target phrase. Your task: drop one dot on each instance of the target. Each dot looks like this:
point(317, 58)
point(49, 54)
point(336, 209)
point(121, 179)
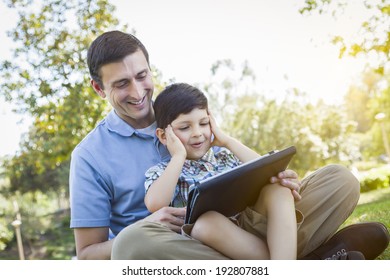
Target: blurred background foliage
point(48, 80)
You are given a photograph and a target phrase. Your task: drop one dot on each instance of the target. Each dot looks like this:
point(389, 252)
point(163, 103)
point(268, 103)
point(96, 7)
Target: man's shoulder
point(90, 141)
point(99, 129)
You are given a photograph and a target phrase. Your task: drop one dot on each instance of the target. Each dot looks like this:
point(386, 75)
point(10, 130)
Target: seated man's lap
point(154, 241)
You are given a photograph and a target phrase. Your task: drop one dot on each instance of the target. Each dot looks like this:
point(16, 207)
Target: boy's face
point(128, 86)
point(194, 131)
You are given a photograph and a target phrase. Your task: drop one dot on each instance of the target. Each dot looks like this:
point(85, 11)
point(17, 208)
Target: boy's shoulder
point(225, 156)
point(157, 168)
point(218, 151)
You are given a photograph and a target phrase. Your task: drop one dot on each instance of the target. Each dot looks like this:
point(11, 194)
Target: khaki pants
point(329, 196)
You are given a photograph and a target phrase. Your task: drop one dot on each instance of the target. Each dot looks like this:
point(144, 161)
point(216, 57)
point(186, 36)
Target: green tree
point(374, 34)
point(47, 79)
point(320, 132)
point(372, 97)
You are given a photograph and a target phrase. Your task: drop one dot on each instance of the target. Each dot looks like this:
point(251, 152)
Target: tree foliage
point(364, 102)
point(320, 132)
point(47, 78)
point(371, 97)
point(374, 36)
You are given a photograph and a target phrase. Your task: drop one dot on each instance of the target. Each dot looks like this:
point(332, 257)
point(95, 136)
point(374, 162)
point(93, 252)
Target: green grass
point(373, 206)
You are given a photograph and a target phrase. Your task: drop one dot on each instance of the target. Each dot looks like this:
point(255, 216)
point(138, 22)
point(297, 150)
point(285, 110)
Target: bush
point(45, 228)
point(6, 230)
point(376, 178)
point(6, 235)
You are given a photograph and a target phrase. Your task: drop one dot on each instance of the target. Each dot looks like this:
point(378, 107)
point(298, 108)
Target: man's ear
point(160, 133)
point(98, 89)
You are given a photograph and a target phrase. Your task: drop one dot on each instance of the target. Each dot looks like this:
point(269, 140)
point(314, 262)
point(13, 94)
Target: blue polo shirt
point(107, 175)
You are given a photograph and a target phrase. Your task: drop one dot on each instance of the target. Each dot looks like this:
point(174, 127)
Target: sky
point(184, 38)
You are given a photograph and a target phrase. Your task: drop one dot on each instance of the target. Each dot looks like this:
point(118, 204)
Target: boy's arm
point(160, 192)
point(242, 152)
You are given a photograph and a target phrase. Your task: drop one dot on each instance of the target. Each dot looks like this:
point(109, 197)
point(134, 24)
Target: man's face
point(128, 86)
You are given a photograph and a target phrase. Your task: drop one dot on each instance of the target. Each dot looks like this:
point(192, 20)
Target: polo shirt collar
point(119, 126)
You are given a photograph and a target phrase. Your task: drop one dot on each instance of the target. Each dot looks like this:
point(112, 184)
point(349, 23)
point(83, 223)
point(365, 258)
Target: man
point(107, 171)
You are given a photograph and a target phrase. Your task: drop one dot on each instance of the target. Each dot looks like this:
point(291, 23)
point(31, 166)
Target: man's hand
point(170, 216)
point(289, 179)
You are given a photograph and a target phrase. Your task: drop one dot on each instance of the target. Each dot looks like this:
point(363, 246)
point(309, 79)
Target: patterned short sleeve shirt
point(212, 163)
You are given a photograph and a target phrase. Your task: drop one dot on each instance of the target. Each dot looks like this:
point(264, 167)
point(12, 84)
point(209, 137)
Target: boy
point(185, 126)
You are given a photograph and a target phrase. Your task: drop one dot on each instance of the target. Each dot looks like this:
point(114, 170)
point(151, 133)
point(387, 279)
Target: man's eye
point(142, 76)
point(122, 85)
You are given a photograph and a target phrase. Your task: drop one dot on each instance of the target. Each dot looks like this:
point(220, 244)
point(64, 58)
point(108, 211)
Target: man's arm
point(92, 243)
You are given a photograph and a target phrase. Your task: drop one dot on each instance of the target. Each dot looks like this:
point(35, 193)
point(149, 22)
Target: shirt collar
point(117, 125)
point(208, 157)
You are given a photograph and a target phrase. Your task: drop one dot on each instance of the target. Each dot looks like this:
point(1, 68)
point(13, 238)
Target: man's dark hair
point(177, 99)
point(111, 46)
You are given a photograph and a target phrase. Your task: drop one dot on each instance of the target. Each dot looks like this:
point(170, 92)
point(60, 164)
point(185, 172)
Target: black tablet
point(232, 191)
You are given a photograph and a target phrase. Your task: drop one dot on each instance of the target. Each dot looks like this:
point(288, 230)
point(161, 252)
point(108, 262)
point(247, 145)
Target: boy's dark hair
point(111, 46)
point(177, 99)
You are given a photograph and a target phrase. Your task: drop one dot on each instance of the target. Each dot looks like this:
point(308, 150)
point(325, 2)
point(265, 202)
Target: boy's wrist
point(178, 157)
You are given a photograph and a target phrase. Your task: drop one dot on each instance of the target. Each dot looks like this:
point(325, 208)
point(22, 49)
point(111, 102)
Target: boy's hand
point(220, 138)
point(289, 179)
point(174, 145)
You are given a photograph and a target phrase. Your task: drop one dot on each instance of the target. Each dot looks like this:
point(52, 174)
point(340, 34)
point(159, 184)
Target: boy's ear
point(161, 135)
point(98, 89)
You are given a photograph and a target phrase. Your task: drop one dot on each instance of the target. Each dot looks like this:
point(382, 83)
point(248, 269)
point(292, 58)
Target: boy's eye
point(183, 128)
point(205, 123)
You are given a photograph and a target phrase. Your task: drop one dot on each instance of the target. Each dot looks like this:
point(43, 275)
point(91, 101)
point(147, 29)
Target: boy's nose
point(196, 132)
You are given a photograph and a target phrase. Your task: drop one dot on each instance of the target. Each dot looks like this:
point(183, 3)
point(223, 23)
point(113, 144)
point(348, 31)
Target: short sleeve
point(152, 174)
point(85, 182)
